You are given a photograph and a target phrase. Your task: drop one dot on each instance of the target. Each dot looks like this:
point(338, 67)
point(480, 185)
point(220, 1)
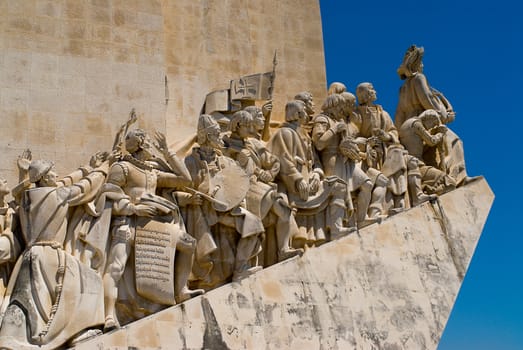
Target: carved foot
point(369, 221)
point(111, 324)
point(422, 198)
point(239, 275)
point(394, 211)
point(289, 253)
point(187, 294)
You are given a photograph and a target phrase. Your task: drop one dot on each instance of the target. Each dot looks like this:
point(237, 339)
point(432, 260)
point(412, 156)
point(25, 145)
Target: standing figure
point(375, 132)
point(329, 132)
point(262, 198)
point(307, 98)
point(53, 296)
point(228, 235)
point(10, 247)
point(260, 116)
point(415, 97)
point(320, 201)
point(385, 156)
point(139, 214)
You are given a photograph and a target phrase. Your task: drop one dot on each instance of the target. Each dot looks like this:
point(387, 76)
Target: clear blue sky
point(473, 54)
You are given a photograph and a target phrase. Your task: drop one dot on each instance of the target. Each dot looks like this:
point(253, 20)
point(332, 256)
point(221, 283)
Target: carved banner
point(155, 246)
point(252, 87)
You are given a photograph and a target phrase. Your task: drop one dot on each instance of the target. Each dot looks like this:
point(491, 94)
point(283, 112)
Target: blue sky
point(473, 54)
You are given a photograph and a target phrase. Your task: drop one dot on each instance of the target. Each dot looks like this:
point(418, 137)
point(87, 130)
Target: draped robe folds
point(217, 233)
point(51, 291)
point(416, 96)
point(10, 247)
point(298, 161)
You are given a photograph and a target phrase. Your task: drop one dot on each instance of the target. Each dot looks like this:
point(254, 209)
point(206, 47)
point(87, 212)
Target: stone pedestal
point(389, 286)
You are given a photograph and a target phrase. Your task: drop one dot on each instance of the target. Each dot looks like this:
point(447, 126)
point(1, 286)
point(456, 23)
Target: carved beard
point(216, 143)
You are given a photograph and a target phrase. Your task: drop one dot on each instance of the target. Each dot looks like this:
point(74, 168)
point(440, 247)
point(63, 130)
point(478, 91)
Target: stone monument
point(248, 220)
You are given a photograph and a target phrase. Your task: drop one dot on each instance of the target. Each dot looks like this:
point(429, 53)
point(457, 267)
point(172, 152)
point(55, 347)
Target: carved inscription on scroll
point(154, 261)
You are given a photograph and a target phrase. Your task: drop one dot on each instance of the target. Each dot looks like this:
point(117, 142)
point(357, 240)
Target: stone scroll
point(155, 247)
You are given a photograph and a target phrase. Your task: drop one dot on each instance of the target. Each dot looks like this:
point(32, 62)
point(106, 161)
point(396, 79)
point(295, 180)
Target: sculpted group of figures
point(140, 229)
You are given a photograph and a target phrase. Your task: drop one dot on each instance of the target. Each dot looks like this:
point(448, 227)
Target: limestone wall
point(71, 70)
point(212, 41)
point(390, 286)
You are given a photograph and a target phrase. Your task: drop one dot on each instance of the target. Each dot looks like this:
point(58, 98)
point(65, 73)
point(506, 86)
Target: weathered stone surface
point(71, 70)
point(390, 286)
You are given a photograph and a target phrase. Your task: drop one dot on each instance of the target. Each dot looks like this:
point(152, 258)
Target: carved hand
point(98, 158)
point(161, 142)
point(340, 127)
point(265, 176)
point(267, 108)
point(145, 210)
point(303, 189)
point(381, 134)
point(315, 183)
point(24, 159)
point(114, 156)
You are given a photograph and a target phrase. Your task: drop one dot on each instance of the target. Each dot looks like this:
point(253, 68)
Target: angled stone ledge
point(389, 286)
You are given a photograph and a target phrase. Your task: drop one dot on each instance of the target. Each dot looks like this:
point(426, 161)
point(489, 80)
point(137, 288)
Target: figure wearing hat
point(53, 296)
point(228, 235)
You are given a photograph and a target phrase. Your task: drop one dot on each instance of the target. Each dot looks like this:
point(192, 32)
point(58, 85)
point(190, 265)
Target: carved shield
point(155, 246)
point(230, 186)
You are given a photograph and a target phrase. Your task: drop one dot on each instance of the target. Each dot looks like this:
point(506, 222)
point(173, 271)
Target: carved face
point(259, 122)
point(214, 138)
point(303, 117)
point(348, 107)
point(309, 106)
point(4, 189)
point(245, 130)
point(49, 179)
point(147, 147)
point(367, 94)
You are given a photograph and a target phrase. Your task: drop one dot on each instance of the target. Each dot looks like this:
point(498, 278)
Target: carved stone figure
point(307, 98)
point(416, 96)
point(87, 230)
point(320, 201)
point(374, 132)
point(328, 133)
point(385, 154)
point(336, 88)
point(423, 134)
point(149, 228)
point(53, 296)
point(405, 181)
point(10, 247)
point(228, 235)
point(261, 117)
point(262, 198)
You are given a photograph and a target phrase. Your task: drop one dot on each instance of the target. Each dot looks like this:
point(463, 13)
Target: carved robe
point(416, 96)
point(218, 233)
point(131, 182)
point(298, 162)
point(9, 247)
point(53, 296)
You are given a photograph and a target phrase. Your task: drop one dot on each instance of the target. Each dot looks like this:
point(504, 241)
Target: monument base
point(389, 286)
